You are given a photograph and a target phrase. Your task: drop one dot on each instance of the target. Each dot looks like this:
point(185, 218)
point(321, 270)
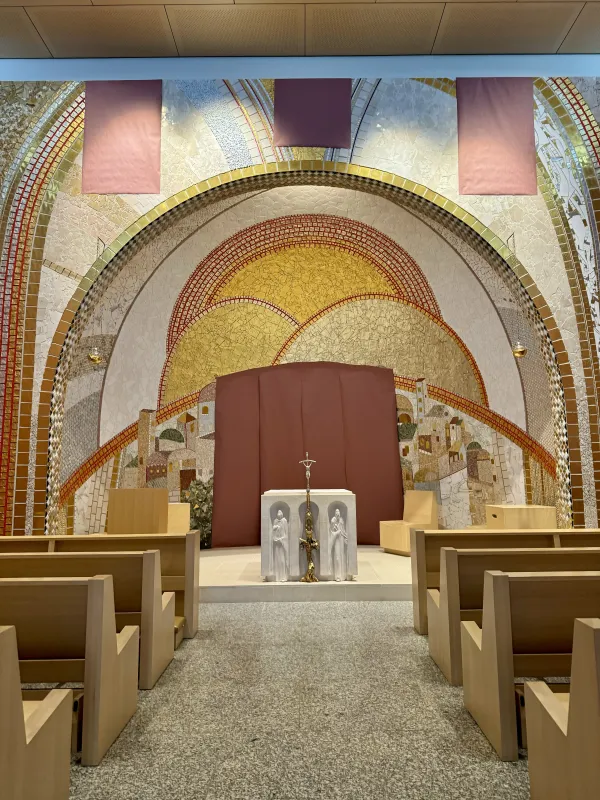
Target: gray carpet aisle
point(294, 701)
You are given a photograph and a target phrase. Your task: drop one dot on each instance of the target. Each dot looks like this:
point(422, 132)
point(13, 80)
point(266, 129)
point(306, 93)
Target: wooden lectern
point(144, 511)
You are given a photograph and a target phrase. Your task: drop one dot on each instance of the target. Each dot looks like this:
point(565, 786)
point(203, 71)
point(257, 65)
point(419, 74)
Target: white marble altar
point(282, 525)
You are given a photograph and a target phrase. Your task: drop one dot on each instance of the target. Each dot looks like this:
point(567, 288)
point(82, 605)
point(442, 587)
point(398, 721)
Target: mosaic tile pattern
point(211, 280)
point(532, 235)
point(303, 279)
point(23, 230)
point(502, 288)
point(79, 438)
point(483, 249)
point(222, 342)
point(387, 332)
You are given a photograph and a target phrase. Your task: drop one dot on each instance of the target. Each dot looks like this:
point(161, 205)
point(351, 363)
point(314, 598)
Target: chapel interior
point(299, 400)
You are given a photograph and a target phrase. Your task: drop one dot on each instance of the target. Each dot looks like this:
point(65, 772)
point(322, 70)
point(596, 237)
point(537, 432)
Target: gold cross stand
point(309, 543)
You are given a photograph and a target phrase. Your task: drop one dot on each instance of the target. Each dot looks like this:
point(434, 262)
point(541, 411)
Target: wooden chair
point(66, 633)
point(138, 596)
point(460, 596)
point(563, 730)
point(426, 546)
point(421, 510)
point(527, 631)
point(179, 563)
point(35, 737)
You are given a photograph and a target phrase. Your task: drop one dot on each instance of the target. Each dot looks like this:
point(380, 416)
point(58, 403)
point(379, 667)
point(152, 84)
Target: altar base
point(232, 575)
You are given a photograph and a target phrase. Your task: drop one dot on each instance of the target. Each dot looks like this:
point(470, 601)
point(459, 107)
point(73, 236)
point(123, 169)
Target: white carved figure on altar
point(339, 547)
point(279, 537)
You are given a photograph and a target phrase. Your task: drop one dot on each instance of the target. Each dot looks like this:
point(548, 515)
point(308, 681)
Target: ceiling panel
point(50, 3)
point(538, 27)
point(107, 32)
point(584, 36)
point(18, 36)
point(249, 2)
point(382, 29)
point(256, 30)
point(156, 2)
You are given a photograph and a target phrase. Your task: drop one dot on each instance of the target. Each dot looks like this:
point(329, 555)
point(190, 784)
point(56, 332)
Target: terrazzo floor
point(294, 701)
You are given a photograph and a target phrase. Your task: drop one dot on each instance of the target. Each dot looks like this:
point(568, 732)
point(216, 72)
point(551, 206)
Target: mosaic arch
point(400, 191)
point(50, 146)
point(266, 286)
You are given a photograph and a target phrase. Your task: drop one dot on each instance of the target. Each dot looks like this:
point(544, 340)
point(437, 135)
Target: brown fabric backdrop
point(267, 418)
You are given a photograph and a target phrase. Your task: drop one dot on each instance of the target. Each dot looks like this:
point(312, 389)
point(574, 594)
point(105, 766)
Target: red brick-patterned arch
point(401, 271)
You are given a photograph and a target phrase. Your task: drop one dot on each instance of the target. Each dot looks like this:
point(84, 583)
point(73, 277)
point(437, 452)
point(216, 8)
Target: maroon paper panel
point(372, 452)
point(496, 139)
point(323, 424)
point(236, 498)
point(280, 417)
point(121, 137)
point(266, 419)
point(312, 112)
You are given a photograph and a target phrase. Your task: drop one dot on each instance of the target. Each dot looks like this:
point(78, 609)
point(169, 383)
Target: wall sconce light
point(95, 356)
point(519, 350)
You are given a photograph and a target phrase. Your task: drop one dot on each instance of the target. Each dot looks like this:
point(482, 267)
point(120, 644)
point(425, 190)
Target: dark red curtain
point(267, 418)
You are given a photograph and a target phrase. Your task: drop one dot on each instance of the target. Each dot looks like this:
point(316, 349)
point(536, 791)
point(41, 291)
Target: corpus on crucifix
point(308, 543)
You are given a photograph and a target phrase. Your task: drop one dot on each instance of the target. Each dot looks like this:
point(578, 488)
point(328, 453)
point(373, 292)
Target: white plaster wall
point(133, 374)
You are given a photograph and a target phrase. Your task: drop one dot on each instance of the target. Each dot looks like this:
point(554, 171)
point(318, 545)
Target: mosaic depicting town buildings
point(464, 461)
point(467, 463)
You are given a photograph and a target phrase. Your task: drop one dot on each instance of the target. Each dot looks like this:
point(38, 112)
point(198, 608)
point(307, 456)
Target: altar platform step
point(232, 575)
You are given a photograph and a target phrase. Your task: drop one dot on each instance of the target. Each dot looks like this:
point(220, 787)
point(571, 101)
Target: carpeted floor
point(294, 701)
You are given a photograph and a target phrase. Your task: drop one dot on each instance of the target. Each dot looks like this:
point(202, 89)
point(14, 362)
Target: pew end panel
point(419, 579)
point(527, 630)
point(564, 737)
point(157, 622)
point(444, 618)
point(487, 666)
point(111, 670)
point(35, 736)
point(66, 631)
point(547, 722)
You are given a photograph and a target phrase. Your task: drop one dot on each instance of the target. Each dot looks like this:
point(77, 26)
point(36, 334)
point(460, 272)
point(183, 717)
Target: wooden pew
point(66, 633)
point(138, 596)
point(35, 737)
point(426, 546)
point(179, 563)
point(460, 596)
point(527, 631)
point(563, 730)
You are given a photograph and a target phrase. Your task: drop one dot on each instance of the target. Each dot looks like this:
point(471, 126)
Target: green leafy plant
point(200, 497)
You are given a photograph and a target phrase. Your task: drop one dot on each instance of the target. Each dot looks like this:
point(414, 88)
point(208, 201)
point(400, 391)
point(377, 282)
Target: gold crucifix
point(308, 543)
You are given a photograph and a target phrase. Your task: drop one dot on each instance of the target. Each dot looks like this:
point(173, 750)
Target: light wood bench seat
point(66, 632)
point(563, 730)
point(526, 632)
point(426, 546)
point(139, 599)
point(35, 736)
point(460, 596)
point(179, 563)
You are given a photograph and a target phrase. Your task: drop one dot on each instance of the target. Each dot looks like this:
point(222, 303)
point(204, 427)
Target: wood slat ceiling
point(136, 28)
